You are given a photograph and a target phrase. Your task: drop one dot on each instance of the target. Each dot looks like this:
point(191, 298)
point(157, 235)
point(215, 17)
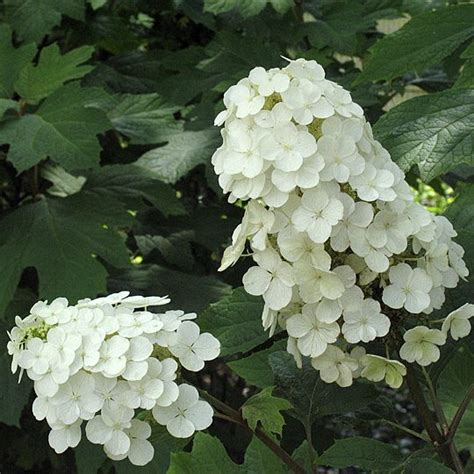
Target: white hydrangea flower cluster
point(104, 360)
point(341, 248)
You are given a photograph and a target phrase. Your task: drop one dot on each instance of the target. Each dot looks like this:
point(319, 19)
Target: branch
point(429, 421)
point(235, 417)
point(299, 10)
point(460, 413)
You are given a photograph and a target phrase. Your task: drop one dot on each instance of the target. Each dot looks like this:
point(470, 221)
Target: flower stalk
point(233, 416)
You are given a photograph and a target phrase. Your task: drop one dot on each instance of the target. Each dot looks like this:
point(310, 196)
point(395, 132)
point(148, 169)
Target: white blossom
point(457, 322)
point(335, 366)
point(312, 335)
point(193, 348)
point(141, 451)
point(100, 360)
point(186, 415)
point(377, 368)
point(317, 215)
point(409, 288)
point(63, 436)
point(365, 323)
point(421, 345)
point(272, 278)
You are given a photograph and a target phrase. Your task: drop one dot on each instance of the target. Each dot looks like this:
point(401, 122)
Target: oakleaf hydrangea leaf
point(433, 132)
point(266, 409)
point(181, 154)
point(12, 60)
point(64, 128)
point(33, 19)
point(52, 71)
point(424, 41)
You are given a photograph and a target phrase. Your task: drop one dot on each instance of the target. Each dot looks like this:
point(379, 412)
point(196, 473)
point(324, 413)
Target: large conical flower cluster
point(341, 248)
point(101, 361)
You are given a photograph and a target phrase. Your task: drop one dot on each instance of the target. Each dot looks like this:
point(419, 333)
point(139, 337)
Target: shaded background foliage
point(106, 135)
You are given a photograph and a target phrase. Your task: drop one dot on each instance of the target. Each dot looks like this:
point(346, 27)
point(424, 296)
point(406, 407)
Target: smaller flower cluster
point(102, 360)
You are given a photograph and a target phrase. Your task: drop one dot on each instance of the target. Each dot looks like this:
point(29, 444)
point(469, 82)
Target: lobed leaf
point(235, 321)
point(35, 82)
point(263, 408)
point(181, 154)
point(64, 128)
point(435, 132)
point(365, 453)
point(424, 41)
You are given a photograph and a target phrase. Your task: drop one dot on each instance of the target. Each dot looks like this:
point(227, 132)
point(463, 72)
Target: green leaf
point(282, 6)
point(96, 4)
point(265, 409)
point(207, 457)
point(131, 185)
point(145, 118)
point(260, 459)
point(434, 132)
point(175, 248)
point(52, 71)
point(466, 79)
point(364, 453)
point(453, 385)
point(310, 396)
point(33, 19)
point(12, 60)
point(461, 215)
point(189, 292)
point(7, 104)
point(424, 41)
point(61, 239)
point(64, 128)
point(255, 368)
point(13, 396)
point(416, 465)
point(181, 154)
point(235, 321)
point(89, 457)
point(302, 455)
point(246, 8)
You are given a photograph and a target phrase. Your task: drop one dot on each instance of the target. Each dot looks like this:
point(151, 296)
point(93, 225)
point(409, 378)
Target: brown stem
point(299, 10)
point(429, 422)
point(460, 413)
point(235, 417)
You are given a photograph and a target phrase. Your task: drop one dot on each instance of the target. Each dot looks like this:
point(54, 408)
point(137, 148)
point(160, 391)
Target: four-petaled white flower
point(186, 415)
point(63, 436)
point(377, 368)
point(77, 399)
point(335, 366)
point(365, 323)
point(317, 215)
point(193, 348)
point(312, 335)
point(421, 345)
point(141, 451)
point(409, 288)
point(109, 427)
point(457, 322)
point(272, 278)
